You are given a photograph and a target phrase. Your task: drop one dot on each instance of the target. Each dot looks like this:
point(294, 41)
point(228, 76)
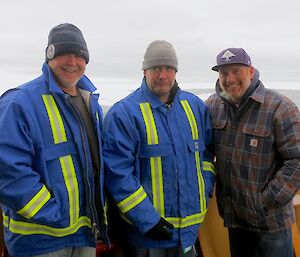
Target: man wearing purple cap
point(257, 147)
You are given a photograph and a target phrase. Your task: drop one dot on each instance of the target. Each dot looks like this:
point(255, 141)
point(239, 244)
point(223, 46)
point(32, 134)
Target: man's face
point(67, 70)
point(235, 79)
point(160, 80)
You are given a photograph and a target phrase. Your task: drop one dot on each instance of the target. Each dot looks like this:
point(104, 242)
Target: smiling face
point(160, 80)
point(67, 70)
point(235, 79)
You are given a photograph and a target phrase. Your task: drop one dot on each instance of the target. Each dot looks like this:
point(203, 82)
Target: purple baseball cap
point(232, 56)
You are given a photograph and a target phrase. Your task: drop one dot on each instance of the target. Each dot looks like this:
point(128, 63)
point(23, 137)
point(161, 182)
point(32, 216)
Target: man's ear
point(252, 70)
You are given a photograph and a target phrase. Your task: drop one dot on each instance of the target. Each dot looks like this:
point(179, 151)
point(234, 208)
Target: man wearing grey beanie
point(52, 176)
point(158, 162)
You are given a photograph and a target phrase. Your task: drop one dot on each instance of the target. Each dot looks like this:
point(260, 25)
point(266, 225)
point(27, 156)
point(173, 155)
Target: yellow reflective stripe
point(208, 166)
point(25, 228)
point(124, 217)
point(157, 185)
point(36, 203)
point(178, 222)
point(133, 200)
point(200, 183)
point(66, 162)
point(155, 162)
point(56, 123)
point(187, 221)
point(69, 174)
point(190, 115)
point(105, 211)
point(194, 129)
point(5, 220)
point(152, 137)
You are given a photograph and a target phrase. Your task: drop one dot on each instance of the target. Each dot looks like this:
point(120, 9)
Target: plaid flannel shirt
point(257, 151)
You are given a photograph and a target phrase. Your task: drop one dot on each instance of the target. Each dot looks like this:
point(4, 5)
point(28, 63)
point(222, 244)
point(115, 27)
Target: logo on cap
point(50, 51)
point(227, 55)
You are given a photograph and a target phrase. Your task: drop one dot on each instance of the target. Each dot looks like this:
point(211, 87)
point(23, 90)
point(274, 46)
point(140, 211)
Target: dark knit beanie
point(66, 39)
point(160, 53)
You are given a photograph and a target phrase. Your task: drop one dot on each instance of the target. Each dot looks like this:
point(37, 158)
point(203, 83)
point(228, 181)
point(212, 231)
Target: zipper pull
point(95, 231)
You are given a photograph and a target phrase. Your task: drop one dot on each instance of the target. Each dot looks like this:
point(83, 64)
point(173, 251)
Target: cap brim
point(217, 67)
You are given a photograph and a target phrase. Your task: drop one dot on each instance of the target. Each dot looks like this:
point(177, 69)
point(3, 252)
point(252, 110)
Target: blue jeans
point(132, 251)
point(246, 243)
point(71, 252)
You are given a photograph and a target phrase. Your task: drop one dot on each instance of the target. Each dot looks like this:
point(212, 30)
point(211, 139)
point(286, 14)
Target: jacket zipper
point(95, 230)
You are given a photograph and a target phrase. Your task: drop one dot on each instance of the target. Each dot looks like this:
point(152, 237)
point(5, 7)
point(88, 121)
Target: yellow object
point(213, 236)
point(296, 226)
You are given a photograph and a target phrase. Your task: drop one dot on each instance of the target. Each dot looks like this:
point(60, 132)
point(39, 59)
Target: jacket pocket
point(258, 131)
point(59, 150)
point(148, 151)
point(219, 124)
point(219, 127)
point(58, 175)
point(196, 145)
point(258, 139)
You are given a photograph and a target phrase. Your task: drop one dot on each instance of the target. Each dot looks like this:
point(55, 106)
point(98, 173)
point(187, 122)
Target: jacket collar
point(84, 83)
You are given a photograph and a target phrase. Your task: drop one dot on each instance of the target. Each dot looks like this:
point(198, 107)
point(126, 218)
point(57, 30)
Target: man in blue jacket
point(158, 164)
point(51, 191)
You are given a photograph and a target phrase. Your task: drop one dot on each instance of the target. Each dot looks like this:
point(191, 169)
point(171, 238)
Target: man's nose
point(230, 77)
point(163, 73)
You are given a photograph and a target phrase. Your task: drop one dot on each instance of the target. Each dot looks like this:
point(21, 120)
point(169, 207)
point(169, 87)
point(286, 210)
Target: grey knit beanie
point(66, 39)
point(160, 53)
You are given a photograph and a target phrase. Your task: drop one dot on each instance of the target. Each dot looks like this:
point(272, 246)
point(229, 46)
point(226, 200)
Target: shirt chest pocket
point(257, 139)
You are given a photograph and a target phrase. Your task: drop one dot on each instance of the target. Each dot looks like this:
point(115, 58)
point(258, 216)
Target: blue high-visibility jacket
point(158, 164)
point(47, 187)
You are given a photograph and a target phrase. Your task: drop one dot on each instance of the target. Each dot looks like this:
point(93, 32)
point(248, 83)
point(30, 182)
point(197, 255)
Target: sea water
point(111, 93)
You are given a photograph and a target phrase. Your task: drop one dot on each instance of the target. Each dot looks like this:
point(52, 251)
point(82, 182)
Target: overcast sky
point(118, 32)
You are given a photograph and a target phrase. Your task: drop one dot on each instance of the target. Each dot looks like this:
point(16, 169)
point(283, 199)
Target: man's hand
point(160, 232)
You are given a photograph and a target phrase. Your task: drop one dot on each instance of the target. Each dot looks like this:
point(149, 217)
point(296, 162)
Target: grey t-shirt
point(82, 109)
